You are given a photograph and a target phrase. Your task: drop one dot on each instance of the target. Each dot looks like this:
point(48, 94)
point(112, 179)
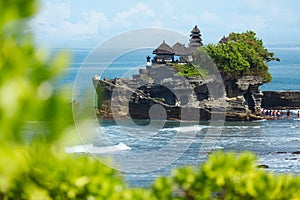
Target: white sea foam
point(90, 148)
point(185, 128)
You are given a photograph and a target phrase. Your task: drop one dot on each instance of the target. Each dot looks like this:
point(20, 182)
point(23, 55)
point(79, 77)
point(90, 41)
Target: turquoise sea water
point(272, 141)
point(286, 73)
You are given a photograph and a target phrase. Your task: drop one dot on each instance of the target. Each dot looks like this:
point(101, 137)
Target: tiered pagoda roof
point(195, 31)
point(195, 40)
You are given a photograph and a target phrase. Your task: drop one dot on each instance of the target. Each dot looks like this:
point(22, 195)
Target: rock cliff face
point(157, 92)
point(244, 96)
point(281, 100)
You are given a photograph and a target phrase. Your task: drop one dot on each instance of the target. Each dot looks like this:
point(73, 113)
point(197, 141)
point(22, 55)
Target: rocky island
point(197, 82)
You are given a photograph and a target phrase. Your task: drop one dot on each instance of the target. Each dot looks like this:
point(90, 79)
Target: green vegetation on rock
point(190, 70)
point(241, 54)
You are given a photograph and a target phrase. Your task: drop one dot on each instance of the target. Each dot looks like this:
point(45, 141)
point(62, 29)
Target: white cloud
point(71, 22)
point(53, 13)
point(54, 24)
point(57, 22)
point(137, 10)
point(89, 25)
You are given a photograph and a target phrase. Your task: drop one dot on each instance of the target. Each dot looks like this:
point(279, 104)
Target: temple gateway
point(166, 54)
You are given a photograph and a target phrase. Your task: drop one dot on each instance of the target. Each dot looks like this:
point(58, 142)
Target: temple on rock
point(166, 54)
point(187, 98)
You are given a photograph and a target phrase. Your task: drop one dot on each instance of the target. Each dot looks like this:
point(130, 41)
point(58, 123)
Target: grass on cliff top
point(190, 70)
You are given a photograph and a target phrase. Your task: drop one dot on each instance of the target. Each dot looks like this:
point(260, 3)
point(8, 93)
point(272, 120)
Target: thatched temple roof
point(163, 49)
point(180, 49)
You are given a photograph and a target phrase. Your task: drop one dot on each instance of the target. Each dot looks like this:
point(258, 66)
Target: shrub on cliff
point(241, 54)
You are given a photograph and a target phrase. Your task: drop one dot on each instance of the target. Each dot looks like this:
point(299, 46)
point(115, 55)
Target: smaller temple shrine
point(223, 40)
point(165, 53)
point(183, 52)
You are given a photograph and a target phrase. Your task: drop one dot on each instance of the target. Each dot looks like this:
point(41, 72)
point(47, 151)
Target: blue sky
point(78, 23)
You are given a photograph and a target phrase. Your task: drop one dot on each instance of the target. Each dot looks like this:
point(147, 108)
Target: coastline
point(230, 109)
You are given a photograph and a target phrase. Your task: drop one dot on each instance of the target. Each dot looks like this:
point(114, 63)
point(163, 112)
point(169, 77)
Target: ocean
point(155, 151)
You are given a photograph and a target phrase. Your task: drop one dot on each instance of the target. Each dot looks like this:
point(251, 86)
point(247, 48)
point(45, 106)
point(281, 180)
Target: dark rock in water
point(281, 100)
point(291, 159)
point(296, 152)
point(281, 152)
point(263, 166)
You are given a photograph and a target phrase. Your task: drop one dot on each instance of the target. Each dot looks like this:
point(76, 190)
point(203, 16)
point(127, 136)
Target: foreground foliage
point(227, 176)
point(34, 166)
point(242, 54)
